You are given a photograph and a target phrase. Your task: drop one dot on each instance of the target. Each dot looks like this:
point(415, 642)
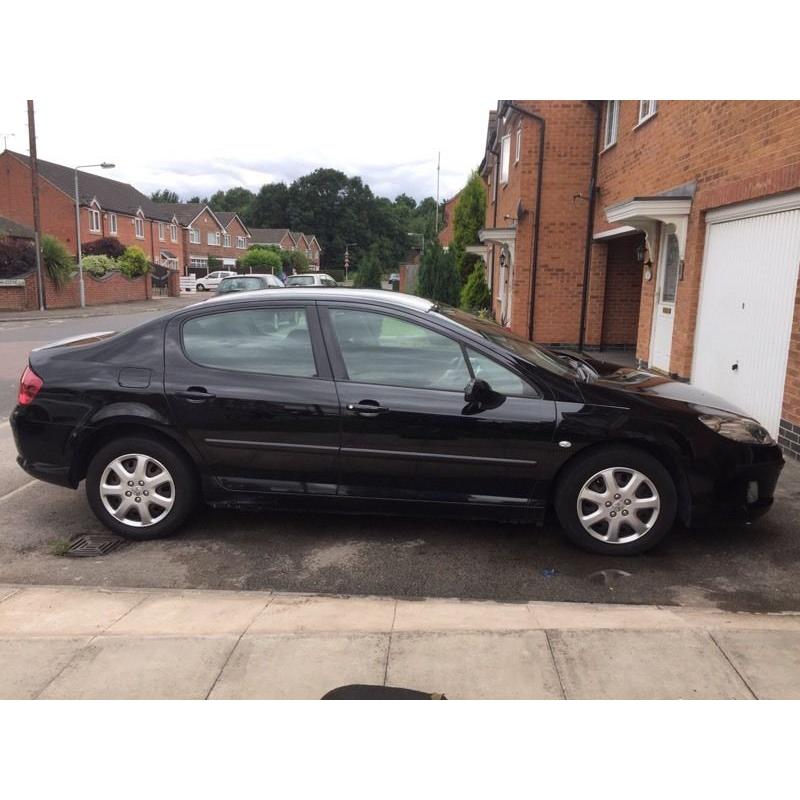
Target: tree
point(213, 263)
point(238, 199)
point(369, 273)
point(164, 196)
point(293, 261)
point(469, 217)
point(109, 246)
point(267, 259)
point(196, 199)
point(438, 277)
point(57, 261)
point(269, 208)
point(133, 262)
point(476, 295)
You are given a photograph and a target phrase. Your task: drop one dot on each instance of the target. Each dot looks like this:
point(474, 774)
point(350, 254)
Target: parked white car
point(312, 279)
point(211, 281)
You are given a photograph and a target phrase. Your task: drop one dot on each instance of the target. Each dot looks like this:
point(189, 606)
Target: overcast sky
point(197, 96)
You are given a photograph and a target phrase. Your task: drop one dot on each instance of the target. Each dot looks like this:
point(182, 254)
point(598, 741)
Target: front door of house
point(664, 311)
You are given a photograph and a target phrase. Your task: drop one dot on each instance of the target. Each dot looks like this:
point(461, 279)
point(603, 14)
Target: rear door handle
point(367, 408)
point(195, 394)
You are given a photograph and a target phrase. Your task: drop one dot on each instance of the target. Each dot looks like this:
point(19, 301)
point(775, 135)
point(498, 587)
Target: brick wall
point(113, 288)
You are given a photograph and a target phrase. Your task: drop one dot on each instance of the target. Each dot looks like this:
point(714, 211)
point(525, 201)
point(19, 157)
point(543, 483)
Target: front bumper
point(739, 494)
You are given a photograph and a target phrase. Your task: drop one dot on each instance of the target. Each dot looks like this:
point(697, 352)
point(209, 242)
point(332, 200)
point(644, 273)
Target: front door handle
point(367, 408)
point(195, 394)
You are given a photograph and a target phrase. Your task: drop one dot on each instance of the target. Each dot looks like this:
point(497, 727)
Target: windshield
point(300, 280)
point(504, 338)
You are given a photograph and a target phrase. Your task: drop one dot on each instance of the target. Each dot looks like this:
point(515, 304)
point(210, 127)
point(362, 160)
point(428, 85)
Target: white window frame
point(173, 232)
point(241, 242)
point(213, 238)
point(518, 145)
point(226, 240)
point(138, 224)
point(162, 231)
point(194, 235)
point(95, 225)
point(647, 109)
point(505, 158)
point(112, 224)
point(611, 124)
point(198, 262)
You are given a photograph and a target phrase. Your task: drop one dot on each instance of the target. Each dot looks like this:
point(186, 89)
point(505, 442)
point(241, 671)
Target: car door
point(250, 385)
point(407, 432)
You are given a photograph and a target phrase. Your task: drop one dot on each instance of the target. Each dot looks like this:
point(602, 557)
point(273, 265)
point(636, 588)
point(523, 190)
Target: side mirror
point(478, 391)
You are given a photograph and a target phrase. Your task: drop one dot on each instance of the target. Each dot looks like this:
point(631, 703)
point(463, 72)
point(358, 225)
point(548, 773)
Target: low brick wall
point(112, 288)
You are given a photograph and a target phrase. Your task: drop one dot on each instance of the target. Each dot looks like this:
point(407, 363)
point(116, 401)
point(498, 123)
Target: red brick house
point(107, 207)
point(285, 239)
point(204, 234)
point(446, 233)
point(671, 227)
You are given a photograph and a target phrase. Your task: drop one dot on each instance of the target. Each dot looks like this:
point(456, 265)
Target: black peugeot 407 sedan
point(374, 401)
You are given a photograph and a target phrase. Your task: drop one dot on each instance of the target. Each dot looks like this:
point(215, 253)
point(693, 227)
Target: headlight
point(739, 429)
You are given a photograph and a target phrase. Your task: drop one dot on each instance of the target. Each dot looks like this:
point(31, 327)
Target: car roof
point(396, 299)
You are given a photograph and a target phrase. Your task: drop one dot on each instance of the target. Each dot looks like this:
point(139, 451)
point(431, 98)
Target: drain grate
point(92, 544)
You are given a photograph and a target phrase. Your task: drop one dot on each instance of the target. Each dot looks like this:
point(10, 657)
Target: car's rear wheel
point(140, 488)
point(616, 501)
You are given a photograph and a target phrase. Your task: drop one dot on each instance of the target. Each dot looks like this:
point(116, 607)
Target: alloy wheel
point(137, 490)
point(618, 505)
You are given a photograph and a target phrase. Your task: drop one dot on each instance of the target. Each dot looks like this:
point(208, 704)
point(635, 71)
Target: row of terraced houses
point(670, 229)
point(179, 236)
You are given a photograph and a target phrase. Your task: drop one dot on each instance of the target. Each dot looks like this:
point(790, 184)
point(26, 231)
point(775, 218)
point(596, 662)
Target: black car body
point(333, 412)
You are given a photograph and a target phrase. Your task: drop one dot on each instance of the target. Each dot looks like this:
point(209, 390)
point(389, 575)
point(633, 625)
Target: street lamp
point(347, 247)
point(422, 235)
point(104, 165)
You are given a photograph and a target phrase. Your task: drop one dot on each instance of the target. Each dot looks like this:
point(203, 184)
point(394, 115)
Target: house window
point(505, 158)
point(226, 240)
point(213, 237)
point(173, 232)
point(647, 108)
point(194, 236)
point(612, 123)
point(139, 225)
point(162, 231)
point(112, 224)
point(195, 262)
point(94, 220)
point(519, 144)
point(241, 242)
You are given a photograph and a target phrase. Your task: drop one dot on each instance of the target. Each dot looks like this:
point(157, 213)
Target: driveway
point(749, 568)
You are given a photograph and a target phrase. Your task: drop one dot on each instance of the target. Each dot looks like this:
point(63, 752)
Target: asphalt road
point(751, 568)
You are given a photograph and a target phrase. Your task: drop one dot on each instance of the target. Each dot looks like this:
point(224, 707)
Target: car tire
point(146, 468)
point(200, 287)
point(616, 500)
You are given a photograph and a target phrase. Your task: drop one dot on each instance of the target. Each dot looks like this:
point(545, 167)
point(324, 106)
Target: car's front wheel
point(140, 488)
point(200, 287)
point(616, 501)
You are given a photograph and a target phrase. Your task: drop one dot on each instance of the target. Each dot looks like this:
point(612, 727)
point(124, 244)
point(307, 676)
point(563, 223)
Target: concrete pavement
point(70, 642)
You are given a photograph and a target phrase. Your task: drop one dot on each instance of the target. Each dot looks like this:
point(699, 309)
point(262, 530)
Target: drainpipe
point(537, 214)
point(587, 255)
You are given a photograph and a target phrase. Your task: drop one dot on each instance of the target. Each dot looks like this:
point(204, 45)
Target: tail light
point(29, 385)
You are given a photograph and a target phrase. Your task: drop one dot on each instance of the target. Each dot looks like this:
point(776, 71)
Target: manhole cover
point(93, 545)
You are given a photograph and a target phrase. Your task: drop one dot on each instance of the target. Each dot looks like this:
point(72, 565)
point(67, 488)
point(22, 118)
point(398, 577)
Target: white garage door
point(747, 299)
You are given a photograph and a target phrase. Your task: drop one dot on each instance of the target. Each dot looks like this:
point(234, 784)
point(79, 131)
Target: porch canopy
point(505, 237)
point(647, 213)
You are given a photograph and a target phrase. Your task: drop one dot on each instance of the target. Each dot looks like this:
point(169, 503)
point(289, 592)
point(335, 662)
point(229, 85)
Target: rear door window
point(263, 340)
